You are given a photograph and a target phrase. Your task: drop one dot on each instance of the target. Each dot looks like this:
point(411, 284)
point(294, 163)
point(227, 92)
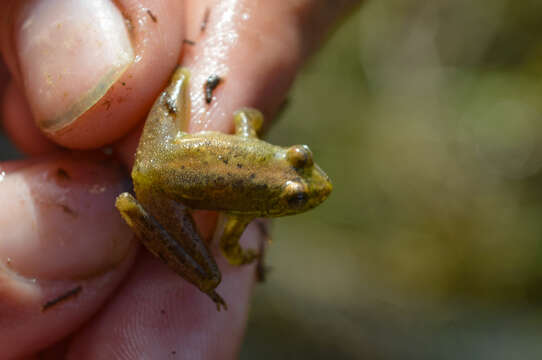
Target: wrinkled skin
point(239, 175)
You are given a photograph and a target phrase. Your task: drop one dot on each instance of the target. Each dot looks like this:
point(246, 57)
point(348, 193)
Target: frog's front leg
point(232, 227)
point(175, 241)
point(248, 122)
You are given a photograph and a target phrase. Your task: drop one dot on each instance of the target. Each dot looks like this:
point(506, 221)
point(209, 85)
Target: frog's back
point(217, 171)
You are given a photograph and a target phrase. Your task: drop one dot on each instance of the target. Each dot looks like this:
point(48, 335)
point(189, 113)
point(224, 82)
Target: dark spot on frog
point(238, 185)
point(170, 104)
point(189, 42)
point(62, 174)
point(152, 16)
point(67, 295)
point(220, 181)
point(210, 85)
point(205, 20)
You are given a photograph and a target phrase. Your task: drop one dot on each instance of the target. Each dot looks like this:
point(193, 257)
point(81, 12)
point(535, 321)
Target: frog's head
point(308, 187)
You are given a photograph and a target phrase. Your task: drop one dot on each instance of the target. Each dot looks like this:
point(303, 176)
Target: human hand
point(87, 73)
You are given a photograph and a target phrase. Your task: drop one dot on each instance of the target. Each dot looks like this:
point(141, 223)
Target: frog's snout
point(321, 185)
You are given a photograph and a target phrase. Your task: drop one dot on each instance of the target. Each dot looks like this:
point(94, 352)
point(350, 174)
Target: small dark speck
point(163, 312)
point(68, 210)
point(252, 176)
point(152, 16)
point(210, 85)
point(62, 174)
point(123, 83)
point(189, 42)
point(182, 167)
point(173, 352)
point(205, 20)
point(239, 165)
point(225, 161)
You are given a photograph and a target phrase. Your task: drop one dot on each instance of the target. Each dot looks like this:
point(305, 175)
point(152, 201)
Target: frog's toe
point(238, 256)
point(218, 300)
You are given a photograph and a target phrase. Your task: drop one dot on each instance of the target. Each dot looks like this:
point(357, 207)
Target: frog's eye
point(295, 195)
point(299, 156)
point(298, 200)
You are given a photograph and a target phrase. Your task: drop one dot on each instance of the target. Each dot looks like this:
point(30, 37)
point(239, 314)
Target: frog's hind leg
point(232, 227)
point(248, 122)
point(167, 245)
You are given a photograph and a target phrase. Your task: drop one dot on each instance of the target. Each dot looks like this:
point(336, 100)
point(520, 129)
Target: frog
point(238, 175)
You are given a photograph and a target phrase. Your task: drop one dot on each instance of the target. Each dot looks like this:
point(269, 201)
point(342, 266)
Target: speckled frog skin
point(239, 175)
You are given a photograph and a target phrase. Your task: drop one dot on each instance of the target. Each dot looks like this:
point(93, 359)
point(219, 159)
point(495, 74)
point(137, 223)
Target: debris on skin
point(66, 296)
point(152, 16)
point(205, 20)
point(68, 210)
point(62, 174)
point(212, 82)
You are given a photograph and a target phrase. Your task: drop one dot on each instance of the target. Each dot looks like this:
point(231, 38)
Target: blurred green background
point(427, 115)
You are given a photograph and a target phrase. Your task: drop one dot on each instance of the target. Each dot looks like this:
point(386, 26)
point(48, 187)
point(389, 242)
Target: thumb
point(90, 69)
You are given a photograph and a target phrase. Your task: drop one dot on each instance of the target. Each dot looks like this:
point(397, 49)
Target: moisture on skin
point(239, 175)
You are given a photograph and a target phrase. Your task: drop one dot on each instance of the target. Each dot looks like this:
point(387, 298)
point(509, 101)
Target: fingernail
point(70, 53)
point(59, 222)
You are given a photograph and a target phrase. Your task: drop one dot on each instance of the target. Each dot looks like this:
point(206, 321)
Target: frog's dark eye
point(299, 156)
point(295, 194)
point(297, 200)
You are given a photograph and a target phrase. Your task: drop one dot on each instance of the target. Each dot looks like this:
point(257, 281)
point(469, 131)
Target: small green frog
point(238, 175)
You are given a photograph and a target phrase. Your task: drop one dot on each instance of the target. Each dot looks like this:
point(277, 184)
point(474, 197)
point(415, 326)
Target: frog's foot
point(166, 246)
point(248, 122)
point(238, 256)
point(218, 300)
point(232, 227)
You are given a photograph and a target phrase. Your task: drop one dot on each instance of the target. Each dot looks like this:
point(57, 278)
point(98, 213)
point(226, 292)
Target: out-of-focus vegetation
point(428, 117)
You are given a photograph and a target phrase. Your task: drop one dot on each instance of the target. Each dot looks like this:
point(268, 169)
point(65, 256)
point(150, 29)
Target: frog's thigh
point(233, 228)
point(248, 122)
point(159, 242)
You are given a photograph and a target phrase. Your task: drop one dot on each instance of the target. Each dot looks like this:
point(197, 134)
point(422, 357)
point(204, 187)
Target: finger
point(20, 127)
point(256, 48)
point(157, 313)
point(160, 315)
point(63, 247)
point(90, 69)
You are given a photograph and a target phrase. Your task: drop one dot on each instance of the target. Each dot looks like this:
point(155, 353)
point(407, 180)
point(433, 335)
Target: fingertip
point(19, 124)
point(63, 247)
point(99, 76)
